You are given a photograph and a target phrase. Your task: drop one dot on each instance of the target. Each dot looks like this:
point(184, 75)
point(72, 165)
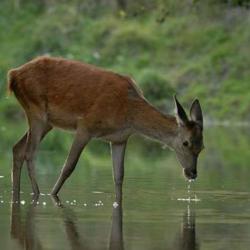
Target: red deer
point(95, 103)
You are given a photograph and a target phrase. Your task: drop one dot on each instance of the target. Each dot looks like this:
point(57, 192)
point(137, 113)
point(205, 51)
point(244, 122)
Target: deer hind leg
point(118, 153)
point(19, 154)
point(18, 159)
point(38, 129)
point(80, 141)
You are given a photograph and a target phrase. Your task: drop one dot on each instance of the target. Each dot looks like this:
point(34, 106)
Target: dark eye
point(185, 143)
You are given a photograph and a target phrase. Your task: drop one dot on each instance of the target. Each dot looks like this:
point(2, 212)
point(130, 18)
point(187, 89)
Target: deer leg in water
point(80, 141)
point(18, 159)
point(19, 151)
point(116, 236)
point(118, 153)
point(38, 129)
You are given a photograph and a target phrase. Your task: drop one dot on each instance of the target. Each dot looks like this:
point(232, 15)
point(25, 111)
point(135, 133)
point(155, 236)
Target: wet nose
point(190, 174)
point(193, 174)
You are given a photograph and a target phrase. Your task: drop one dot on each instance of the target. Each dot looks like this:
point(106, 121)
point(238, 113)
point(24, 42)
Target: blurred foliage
point(192, 48)
point(157, 89)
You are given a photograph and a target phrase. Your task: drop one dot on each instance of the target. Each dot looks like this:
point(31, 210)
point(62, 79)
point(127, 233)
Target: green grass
point(196, 50)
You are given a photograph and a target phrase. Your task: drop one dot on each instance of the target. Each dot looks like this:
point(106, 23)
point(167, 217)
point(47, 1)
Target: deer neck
point(151, 123)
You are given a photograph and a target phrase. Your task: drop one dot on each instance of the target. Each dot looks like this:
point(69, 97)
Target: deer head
point(189, 140)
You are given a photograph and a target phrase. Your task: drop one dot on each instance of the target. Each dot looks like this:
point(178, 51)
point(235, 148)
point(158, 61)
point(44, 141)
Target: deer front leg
point(118, 153)
point(80, 141)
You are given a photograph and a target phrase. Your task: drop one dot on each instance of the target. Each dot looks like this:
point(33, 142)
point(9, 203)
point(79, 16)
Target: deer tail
point(11, 81)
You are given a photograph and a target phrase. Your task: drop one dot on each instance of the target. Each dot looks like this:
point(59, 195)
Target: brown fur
point(95, 103)
point(67, 92)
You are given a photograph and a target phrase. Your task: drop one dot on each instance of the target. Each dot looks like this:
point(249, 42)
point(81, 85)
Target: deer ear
point(196, 112)
point(181, 115)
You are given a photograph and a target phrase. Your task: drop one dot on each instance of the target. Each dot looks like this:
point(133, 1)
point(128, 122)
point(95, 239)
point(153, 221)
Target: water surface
point(155, 213)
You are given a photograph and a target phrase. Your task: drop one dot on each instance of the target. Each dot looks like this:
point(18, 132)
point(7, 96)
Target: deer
point(95, 103)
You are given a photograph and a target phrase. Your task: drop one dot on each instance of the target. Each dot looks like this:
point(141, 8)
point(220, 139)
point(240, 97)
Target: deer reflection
point(186, 240)
point(76, 240)
point(24, 232)
point(116, 236)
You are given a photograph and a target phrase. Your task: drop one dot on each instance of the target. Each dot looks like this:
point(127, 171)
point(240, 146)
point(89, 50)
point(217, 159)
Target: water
point(190, 197)
point(160, 209)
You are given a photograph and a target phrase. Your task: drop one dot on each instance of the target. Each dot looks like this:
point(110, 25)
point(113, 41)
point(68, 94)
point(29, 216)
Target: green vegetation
point(192, 48)
point(195, 48)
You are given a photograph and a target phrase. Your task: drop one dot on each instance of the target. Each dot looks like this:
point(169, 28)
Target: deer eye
point(185, 143)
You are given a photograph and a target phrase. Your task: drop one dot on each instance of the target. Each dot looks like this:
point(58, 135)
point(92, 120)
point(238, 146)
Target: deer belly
point(62, 119)
point(116, 136)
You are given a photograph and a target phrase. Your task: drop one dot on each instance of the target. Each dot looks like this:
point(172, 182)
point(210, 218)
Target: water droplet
point(22, 202)
point(44, 203)
point(115, 204)
point(189, 199)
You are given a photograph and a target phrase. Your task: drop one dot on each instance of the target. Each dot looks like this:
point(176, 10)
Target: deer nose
point(193, 174)
point(190, 174)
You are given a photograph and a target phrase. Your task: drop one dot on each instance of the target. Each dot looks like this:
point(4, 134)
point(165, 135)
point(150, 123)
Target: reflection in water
point(76, 240)
point(187, 238)
point(24, 232)
point(116, 236)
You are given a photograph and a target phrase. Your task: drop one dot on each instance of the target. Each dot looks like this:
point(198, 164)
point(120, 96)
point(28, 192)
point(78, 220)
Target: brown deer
point(95, 103)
